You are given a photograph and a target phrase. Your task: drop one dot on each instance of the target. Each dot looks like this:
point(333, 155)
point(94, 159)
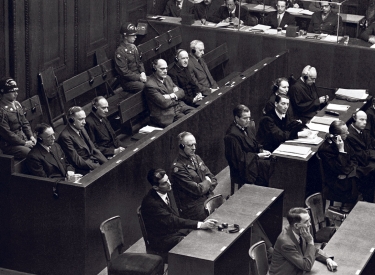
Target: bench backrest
point(217, 56)
point(32, 108)
point(132, 107)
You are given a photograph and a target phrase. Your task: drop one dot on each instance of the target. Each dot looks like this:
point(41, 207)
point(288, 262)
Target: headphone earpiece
point(182, 146)
point(193, 51)
point(94, 108)
point(39, 139)
point(71, 120)
point(305, 72)
point(176, 58)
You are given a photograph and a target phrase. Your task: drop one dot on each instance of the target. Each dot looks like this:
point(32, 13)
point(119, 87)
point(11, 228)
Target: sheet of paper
point(318, 127)
point(324, 120)
point(149, 129)
point(260, 7)
point(300, 150)
point(337, 107)
point(312, 141)
point(291, 154)
point(306, 12)
point(331, 38)
point(222, 24)
point(261, 27)
point(373, 46)
point(352, 93)
point(294, 10)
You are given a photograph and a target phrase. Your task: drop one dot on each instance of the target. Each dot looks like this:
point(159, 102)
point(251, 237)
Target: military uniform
point(129, 67)
point(15, 130)
point(190, 186)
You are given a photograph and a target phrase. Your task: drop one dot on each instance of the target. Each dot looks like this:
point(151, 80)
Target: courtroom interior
point(187, 137)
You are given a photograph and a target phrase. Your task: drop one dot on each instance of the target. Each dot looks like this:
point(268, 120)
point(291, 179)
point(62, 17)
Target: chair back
point(113, 240)
point(211, 204)
point(143, 227)
point(321, 169)
point(315, 203)
point(258, 258)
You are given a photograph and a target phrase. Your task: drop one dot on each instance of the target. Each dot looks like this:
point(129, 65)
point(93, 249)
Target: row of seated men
point(170, 94)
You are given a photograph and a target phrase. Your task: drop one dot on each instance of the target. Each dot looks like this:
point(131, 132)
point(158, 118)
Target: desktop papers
point(318, 127)
point(311, 139)
point(294, 10)
point(293, 150)
point(261, 27)
point(307, 12)
point(352, 93)
point(148, 129)
point(326, 120)
point(331, 38)
point(337, 107)
point(260, 7)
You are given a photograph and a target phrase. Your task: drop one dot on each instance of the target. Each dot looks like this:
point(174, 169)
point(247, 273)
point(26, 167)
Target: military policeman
point(192, 181)
point(128, 64)
point(16, 137)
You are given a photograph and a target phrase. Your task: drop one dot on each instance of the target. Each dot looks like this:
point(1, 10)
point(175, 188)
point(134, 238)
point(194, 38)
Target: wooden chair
point(211, 204)
point(322, 232)
point(119, 263)
point(145, 237)
point(258, 259)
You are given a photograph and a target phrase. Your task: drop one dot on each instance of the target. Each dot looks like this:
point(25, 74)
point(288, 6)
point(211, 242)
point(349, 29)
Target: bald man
point(304, 97)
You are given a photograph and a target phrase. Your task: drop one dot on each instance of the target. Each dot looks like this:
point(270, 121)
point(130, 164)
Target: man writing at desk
point(294, 251)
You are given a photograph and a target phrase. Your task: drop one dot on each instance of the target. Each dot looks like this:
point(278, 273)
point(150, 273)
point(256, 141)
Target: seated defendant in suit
point(77, 145)
point(325, 21)
point(47, 159)
point(16, 137)
point(294, 251)
point(100, 130)
point(205, 10)
point(198, 69)
point(276, 127)
point(280, 18)
point(230, 13)
point(181, 76)
point(129, 66)
point(173, 8)
point(164, 98)
point(193, 181)
point(160, 214)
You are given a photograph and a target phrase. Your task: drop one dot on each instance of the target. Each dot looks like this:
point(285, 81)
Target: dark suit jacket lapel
point(161, 86)
point(101, 126)
point(357, 136)
point(79, 140)
point(295, 241)
point(196, 63)
point(59, 162)
point(172, 208)
point(49, 158)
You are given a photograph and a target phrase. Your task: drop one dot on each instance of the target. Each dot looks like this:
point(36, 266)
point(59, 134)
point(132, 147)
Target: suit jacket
point(201, 75)
point(270, 106)
point(162, 110)
point(203, 11)
point(365, 35)
point(304, 99)
point(287, 20)
point(162, 220)
point(328, 26)
point(182, 78)
point(362, 146)
point(289, 258)
point(223, 13)
point(273, 131)
point(101, 134)
point(42, 163)
point(241, 153)
point(171, 9)
point(80, 153)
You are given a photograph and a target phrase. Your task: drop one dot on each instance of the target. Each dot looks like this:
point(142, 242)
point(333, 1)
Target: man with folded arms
point(294, 251)
point(160, 214)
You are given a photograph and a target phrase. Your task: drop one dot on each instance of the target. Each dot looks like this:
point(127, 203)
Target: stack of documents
point(352, 93)
point(337, 107)
point(326, 120)
point(261, 27)
point(293, 150)
point(318, 127)
point(311, 139)
point(322, 123)
point(261, 7)
point(148, 129)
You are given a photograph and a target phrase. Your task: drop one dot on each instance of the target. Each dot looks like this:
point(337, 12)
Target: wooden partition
point(48, 235)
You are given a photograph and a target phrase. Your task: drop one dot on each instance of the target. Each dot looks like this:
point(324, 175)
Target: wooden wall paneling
point(4, 43)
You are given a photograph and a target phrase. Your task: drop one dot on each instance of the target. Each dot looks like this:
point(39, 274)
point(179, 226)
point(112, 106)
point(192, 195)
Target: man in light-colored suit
point(199, 70)
point(77, 145)
point(294, 251)
point(164, 98)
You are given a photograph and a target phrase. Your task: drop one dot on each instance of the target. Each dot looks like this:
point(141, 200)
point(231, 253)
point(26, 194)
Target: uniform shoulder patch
point(175, 169)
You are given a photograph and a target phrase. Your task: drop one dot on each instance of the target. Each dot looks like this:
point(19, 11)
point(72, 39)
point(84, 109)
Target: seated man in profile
point(325, 21)
point(276, 126)
point(100, 130)
point(198, 69)
point(247, 160)
point(294, 251)
point(77, 145)
point(173, 8)
point(280, 18)
point(229, 13)
point(164, 98)
point(194, 182)
point(181, 76)
point(369, 34)
point(160, 214)
point(47, 159)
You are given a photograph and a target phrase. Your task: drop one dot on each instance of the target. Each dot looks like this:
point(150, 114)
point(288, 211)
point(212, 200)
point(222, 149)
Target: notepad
point(318, 127)
point(337, 107)
point(324, 120)
point(293, 150)
point(311, 141)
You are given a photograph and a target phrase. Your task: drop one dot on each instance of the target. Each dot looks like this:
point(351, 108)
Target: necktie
point(278, 20)
point(58, 161)
point(167, 200)
point(301, 243)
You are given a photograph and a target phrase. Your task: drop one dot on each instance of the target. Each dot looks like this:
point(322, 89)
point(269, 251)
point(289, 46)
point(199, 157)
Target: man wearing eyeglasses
point(247, 160)
point(47, 159)
point(325, 21)
point(193, 181)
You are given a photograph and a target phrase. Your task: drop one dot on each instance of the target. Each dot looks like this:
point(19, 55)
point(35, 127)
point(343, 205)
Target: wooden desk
point(353, 244)
point(212, 252)
point(299, 177)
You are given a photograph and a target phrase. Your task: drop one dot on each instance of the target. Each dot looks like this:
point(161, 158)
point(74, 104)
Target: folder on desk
point(337, 107)
point(294, 10)
point(318, 127)
point(352, 93)
point(293, 150)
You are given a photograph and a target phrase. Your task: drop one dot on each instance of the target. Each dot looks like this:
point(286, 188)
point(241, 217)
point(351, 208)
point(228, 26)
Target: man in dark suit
point(77, 145)
point(248, 162)
point(173, 8)
point(369, 34)
point(280, 18)
point(181, 76)
point(160, 214)
point(198, 69)
point(304, 96)
point(230, 13)
point(276, 126)
point(47, 159)
point(164, 98)
point(194, 182)
point(205, 10)
point(294, 251)
point(325, 21)
point(100, 130)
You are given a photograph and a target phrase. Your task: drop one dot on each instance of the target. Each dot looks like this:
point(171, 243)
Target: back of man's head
point(335, 127)
point(155, 175)
point(294, 215)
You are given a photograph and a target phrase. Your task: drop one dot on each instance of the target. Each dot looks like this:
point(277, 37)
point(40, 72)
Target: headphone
point(180, 137)
point(305, 72)
point(154, 63)
point(40, 129)
point(193, 44)
point(178, 53)
point(354, 115)
point(71, 112)
point(193, 51)
point(94, 108)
